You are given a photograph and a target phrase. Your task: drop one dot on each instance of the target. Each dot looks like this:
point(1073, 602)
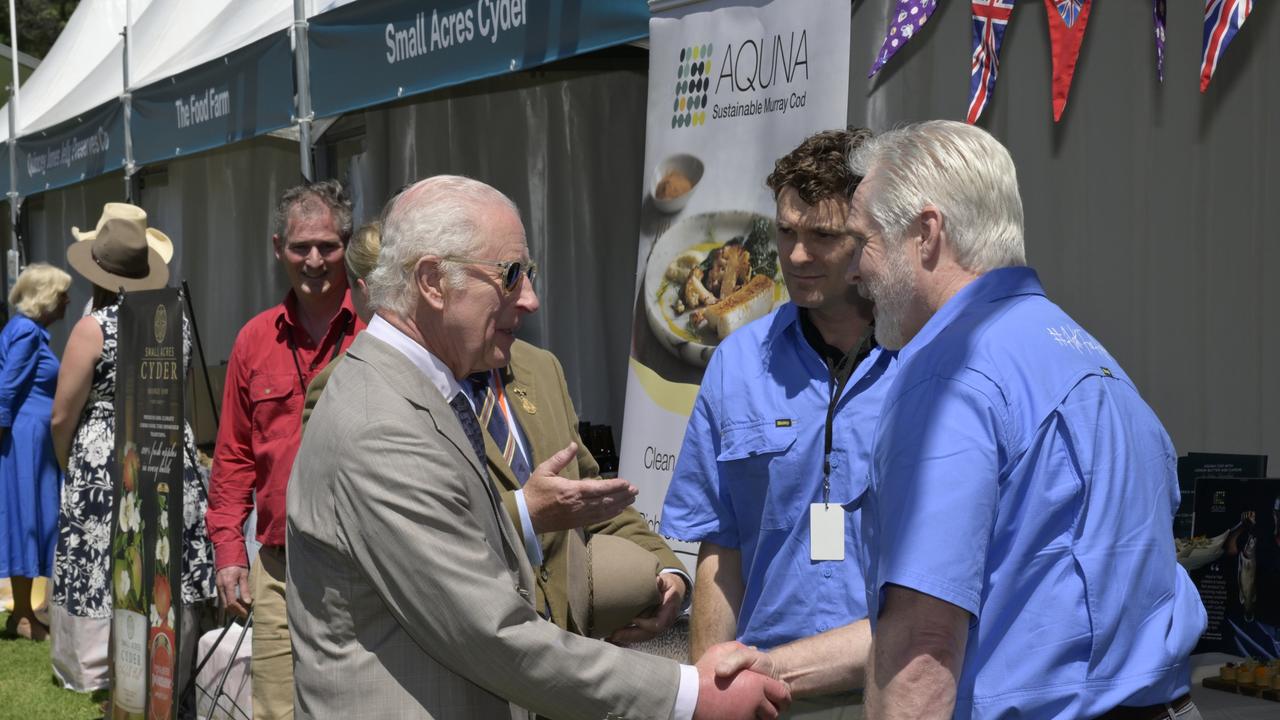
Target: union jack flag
point(1222, 20)
point(990, 18)
point(1069, 10)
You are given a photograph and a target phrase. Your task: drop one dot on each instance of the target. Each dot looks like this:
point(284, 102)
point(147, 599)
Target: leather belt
point(1149, 712)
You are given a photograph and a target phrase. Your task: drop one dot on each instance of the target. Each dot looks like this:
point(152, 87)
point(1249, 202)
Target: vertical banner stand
point(147, 543)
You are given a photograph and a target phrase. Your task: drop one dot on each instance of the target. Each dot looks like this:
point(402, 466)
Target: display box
point(1234, 560)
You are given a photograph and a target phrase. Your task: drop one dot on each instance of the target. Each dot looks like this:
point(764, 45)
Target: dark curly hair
point(819, 167)
point(309, 198)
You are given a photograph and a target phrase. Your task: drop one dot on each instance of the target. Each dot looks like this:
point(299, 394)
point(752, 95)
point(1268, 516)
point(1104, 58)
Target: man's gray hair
point(438, 216)
point(961, 170)
point(308, 199)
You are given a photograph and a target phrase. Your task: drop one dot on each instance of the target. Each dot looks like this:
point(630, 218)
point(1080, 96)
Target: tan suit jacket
point(409, 592)
point(539, 398)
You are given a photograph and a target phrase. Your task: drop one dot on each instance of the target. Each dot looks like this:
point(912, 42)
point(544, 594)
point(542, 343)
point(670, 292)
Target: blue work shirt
point(1018, 475)
point(751, 464)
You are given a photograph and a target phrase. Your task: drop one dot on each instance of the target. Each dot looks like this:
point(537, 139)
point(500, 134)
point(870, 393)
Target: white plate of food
point(708, 275)
point(1194, 553)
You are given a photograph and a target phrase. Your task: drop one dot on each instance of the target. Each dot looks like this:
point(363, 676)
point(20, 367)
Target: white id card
point(826, 531)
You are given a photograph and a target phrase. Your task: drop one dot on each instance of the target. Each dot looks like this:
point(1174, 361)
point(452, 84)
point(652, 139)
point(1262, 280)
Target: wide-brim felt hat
point(155, 238)
point(119, 257)
point(621, 584)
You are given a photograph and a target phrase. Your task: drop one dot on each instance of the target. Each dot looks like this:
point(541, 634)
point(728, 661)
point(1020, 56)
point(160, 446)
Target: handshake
point(735, 681)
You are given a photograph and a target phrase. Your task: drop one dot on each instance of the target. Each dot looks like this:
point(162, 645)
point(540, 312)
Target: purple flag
point(1157, 15)
point(907, 20)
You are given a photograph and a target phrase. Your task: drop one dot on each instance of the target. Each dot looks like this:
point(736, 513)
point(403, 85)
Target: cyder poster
point(147, 540)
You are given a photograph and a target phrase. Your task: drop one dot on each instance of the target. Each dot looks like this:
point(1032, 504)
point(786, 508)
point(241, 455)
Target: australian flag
point(990, 19)
point(1222, 20)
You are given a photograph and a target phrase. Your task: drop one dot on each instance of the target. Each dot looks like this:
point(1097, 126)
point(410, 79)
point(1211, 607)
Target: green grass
point(27, 688)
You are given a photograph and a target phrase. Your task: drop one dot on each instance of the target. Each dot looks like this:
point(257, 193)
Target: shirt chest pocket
point(273, 399)
point(764, 474)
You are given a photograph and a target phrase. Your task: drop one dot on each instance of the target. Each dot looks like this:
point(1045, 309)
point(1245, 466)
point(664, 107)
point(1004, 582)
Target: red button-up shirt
point(272, 362)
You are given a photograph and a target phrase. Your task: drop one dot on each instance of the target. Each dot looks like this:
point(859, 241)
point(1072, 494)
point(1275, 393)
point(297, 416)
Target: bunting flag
point(1067, 22)
point(1222, 20)
point(1157, 16)
point(908, 19)
point(990, 19)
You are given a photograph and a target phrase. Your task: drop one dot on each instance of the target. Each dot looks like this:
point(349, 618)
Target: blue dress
point(30, 480)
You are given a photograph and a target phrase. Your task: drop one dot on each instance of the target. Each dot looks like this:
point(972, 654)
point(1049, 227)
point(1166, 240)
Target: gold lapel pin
point(525, 403)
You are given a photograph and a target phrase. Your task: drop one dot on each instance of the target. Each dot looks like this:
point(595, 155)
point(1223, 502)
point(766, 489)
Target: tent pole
point(13, 41)
point(12, 257)
point(302, 74)
point(126, 99)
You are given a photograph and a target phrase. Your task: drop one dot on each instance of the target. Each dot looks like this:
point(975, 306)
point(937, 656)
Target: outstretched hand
point(558, 503)
point(746, 694)
point(734, 657)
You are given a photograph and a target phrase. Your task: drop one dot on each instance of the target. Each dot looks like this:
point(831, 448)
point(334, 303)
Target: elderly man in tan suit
point(412, 596)
point(600, 570)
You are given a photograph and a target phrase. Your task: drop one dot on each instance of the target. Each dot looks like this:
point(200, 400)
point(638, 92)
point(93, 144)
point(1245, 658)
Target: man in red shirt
point(275, 356)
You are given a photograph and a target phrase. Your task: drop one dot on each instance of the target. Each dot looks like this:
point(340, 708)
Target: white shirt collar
point(432, 367)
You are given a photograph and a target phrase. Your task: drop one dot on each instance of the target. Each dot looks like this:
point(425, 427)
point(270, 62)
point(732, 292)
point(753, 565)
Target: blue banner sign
point(374, 51)
point(86, 146)
point(245, 94)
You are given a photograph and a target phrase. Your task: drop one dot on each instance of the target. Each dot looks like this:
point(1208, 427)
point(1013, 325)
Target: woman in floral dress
point(117, 255)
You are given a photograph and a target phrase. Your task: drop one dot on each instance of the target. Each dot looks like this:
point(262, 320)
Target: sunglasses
point(512, 270)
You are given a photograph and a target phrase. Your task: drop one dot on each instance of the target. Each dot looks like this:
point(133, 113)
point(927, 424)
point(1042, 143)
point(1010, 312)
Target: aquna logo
point(755, 64)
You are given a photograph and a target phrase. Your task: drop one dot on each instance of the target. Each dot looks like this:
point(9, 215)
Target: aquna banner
point(730, 91)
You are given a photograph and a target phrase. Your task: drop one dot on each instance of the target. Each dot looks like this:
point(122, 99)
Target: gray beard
point(892, 292)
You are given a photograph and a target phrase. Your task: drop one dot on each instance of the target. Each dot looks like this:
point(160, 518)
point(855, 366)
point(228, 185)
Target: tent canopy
point(219, 71)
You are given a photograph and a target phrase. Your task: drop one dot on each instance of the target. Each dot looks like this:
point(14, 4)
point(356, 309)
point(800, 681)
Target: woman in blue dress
point(30, 479)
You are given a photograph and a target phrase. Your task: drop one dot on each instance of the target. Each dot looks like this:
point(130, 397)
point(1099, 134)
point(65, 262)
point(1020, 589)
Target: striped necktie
point(467, 417)
point(493, 416)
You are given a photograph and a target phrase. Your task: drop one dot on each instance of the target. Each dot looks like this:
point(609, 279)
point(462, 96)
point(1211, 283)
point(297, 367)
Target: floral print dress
point(82, 565)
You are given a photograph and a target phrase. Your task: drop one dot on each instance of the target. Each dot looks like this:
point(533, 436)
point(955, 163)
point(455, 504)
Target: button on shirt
point(1019, 475)
point(751, 464)
point(261, 422)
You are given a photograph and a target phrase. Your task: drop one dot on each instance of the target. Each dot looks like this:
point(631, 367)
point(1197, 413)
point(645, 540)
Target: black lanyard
point(840, 374)
point(293, 350)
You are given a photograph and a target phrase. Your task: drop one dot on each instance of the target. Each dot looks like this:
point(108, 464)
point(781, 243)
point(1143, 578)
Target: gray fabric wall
point(568, 147)
point(48, 218)
point(565, 143)
point(1145, 207)
point(216, 207)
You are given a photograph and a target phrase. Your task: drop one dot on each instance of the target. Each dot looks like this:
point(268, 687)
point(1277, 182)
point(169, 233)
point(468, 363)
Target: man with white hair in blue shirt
point(1018, 520)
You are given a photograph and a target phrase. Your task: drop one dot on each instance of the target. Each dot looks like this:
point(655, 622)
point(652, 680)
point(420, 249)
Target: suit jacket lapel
point(405, 377)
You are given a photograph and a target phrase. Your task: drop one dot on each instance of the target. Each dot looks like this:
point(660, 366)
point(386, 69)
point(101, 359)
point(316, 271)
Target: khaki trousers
point(272, 666)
